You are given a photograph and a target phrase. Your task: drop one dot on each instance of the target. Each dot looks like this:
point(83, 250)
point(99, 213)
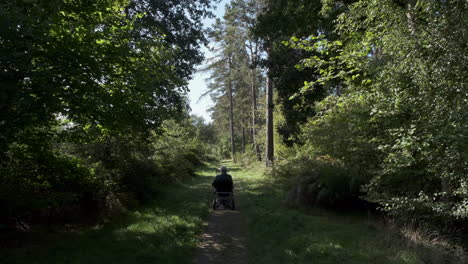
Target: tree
point(229, 68)
point(404, 102)
point(278, 21)
point(86, 72)
point(222, 67)
point(96, 63)
point(247, 20)
point(270, 148)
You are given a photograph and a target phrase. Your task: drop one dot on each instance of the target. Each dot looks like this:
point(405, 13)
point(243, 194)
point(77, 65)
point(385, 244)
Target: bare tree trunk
point(410, 16)
point(338, 90)
point(231, 116)
point(269, 123)
point(252, 47)
point(254, 114)
point(243, 138)
point(231, 123)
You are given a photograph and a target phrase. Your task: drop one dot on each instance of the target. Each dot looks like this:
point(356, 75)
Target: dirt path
point(223, 239)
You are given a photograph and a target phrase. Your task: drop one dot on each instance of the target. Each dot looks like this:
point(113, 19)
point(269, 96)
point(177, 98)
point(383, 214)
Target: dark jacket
point(223, 183)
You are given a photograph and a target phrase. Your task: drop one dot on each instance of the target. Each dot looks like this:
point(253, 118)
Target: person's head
point(223, 169)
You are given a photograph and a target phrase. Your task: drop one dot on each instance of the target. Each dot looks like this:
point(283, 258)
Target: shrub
point(46, 177)
point(248, 157)
point(322, 181)
point(138, 178)
point(44, 185)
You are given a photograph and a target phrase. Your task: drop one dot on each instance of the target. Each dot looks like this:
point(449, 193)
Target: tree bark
point(269, 123)
point(338, 90)
point(410, 16)
point(243, 137)
point(231, 115)
point(254, 114)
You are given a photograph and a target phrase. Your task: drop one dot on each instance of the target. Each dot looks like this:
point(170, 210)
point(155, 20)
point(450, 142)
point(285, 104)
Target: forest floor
point(180, 227)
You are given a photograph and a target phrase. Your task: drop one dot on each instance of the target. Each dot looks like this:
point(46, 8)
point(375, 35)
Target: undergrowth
point(163, 231)
point(278, 234)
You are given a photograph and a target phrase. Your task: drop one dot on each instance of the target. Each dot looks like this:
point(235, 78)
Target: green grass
point(164, 231)
point(277, 234)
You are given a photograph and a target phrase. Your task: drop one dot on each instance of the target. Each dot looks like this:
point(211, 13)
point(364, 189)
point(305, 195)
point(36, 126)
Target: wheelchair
point(225, 199)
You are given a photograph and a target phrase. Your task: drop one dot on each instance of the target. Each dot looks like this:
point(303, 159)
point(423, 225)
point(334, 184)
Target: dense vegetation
point(92, 104)
point(370, 102)
point(278, 234)
point(164, 230)
point(350, 104)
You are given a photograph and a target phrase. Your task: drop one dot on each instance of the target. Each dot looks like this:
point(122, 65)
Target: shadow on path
point(223, 239)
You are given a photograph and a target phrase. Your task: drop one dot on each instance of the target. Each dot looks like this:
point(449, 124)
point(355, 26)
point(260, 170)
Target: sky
point(197, 86)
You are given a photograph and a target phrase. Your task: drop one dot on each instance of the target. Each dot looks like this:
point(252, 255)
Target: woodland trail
point(223, 239)
point(178, 226)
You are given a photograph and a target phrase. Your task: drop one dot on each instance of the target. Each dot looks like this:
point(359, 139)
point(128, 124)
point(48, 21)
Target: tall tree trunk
point(410, 15)
point(231, 115)
point(269, 122)
point(243, 137)
point(254, 114)
point(412, 27)
point(338, 89)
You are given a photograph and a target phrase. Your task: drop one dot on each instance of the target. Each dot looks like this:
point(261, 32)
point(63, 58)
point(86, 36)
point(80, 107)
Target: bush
point(248, 157)
point(321, 181)
point(44, 185)
point(46, 177)
point(139, 177)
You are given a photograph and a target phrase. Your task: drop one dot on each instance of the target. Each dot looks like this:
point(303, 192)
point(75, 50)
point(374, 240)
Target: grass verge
point(163, 231)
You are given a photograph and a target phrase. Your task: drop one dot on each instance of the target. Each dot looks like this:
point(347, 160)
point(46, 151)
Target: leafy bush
point(393, 158)
point(44, 185)
point(47, 177)
point(322, 181)
point(139, 177)
point(248, 157)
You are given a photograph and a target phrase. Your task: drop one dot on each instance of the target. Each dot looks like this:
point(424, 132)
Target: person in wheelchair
point(224, 189)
